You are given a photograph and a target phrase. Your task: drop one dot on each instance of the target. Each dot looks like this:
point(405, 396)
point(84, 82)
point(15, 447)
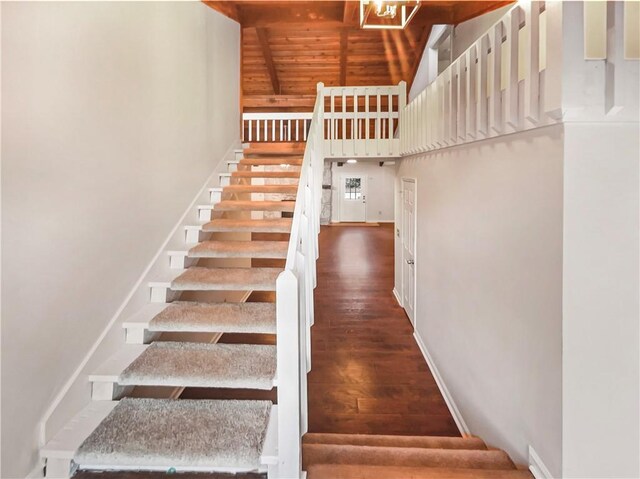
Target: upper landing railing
point(357, 122)
point(541, 63)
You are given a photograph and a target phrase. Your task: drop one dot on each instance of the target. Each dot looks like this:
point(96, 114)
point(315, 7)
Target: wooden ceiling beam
point(277, 101)
point(227, 8)
point(263, 39)
point(349, 14)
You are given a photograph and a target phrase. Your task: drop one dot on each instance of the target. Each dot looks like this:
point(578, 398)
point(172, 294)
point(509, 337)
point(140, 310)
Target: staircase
point(130, 423)
point(360, 456)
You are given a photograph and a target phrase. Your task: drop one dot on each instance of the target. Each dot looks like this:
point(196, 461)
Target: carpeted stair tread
point(272, 161)
point(238, 205)
point(275, 225)
point(226, 279)
point(239, 249)
point(431, 442)
point(347, 471)
point(177, 364)
point(404, 456)
point(265, 174)
point(275, 189)
point(187, 316)
point(165, 433)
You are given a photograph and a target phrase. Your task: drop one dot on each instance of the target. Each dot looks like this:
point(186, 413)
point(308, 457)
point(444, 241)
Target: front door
point(408, 247)
point(353, 206)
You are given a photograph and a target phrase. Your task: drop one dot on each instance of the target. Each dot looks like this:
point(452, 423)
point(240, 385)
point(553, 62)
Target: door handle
point(410, 261)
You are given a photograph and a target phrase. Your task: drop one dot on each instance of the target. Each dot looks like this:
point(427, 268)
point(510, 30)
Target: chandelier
point(390, 14)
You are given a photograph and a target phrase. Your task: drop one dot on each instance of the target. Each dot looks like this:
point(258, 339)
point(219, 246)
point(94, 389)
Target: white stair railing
point(275, 127)
point(359, 122)
point(541, 63)
point(294, 304)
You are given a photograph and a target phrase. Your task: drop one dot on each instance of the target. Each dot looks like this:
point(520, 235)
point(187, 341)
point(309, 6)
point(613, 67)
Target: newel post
point(288, 367)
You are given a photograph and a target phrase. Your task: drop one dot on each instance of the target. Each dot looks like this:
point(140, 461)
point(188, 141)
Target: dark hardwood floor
point(368, 375)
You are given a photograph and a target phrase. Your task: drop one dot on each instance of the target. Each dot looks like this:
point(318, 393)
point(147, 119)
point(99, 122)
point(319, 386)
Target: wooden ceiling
point(289, 46)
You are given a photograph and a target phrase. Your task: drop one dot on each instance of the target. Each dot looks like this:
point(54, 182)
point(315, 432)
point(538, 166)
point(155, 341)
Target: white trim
point(413, 180)
point(537, 467)
point(37, 472)
point(364, 186)
point(397, 296)
point(448, 398)
point(75, 387)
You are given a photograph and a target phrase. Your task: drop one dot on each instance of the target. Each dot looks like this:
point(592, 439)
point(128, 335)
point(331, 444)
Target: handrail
point(294, 302)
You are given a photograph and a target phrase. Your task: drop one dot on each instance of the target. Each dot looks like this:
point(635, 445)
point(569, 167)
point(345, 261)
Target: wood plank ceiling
point(289, 46)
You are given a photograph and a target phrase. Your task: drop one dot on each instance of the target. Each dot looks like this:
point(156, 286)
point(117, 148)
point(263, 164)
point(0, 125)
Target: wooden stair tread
point(290, 189)
point(267, 148)
point(226, 279)
point(239, 249)
point(241, 205)
point(265, 174)
point(187, 316)
point(405, 456)
point(272, 161)
point(348, 471)
point(185, 364)
point(277, 225)
point(431, 442)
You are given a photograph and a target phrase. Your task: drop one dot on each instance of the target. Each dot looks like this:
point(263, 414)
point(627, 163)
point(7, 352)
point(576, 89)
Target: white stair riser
point(239, 155)
point(140, 336)
point(162, 294)
point(204, 212)
point(180, 260)
point(59, 468)
point(193, 235)
point(232, 166)
point(225, 180)
point(108, 391)
point(215, 195)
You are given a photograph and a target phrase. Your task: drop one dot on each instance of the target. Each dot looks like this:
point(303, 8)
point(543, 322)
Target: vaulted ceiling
point(289, 46)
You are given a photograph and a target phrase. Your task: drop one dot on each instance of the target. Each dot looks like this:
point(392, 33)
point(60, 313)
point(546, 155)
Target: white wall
point(466, 33)
point(463, 35)
point(113, 116)
point(489, 284)
point(601, 369)
point(380, 185)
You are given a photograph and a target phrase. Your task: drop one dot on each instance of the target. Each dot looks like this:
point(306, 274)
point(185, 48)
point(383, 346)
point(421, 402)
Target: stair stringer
point(75, 394)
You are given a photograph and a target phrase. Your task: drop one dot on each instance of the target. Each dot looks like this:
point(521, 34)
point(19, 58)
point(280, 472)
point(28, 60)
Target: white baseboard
point(537, 467)
point(397, 296)
point(76, 392)
point(455, 412)
point(37, 472)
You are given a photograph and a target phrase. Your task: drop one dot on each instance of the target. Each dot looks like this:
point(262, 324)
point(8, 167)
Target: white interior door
point(408, 247)
point(353, 191)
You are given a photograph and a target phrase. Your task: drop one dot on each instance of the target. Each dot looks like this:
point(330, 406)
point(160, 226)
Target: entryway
point(353, 197)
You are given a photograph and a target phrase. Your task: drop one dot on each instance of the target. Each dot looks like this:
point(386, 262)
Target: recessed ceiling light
point(352, 161)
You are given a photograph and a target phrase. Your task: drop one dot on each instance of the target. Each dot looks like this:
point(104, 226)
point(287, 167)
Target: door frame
point(415, 249)
point(365, 187)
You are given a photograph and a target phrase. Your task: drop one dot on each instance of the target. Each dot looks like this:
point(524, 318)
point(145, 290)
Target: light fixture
point(352, 161)
point(389, 14)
